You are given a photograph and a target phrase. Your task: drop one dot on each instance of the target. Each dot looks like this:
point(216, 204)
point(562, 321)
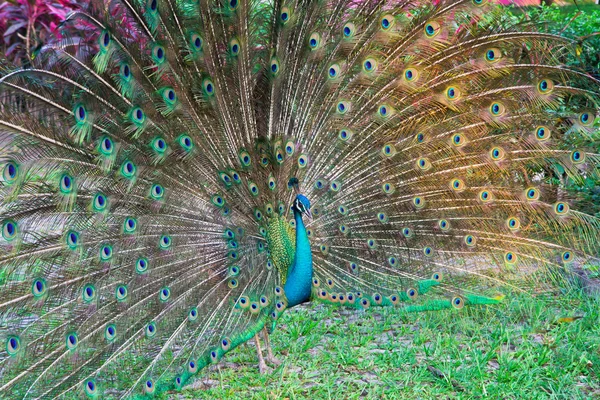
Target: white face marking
point(299, 206)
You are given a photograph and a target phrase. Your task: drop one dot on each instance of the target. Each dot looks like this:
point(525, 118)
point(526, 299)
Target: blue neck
point(299, 280)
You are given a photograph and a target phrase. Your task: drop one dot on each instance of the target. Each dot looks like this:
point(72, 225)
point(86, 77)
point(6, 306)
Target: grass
point(517, 350)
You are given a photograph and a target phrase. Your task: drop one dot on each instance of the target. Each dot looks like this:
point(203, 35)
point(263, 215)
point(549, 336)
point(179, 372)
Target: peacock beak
point(308, 214)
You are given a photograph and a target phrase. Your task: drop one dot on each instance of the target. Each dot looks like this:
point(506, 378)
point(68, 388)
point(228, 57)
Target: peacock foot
point(273, 360)
point(263, 368)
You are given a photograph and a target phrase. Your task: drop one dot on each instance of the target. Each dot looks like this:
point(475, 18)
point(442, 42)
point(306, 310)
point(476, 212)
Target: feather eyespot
point(452, 93)
point(427, 251)
point(423, 164)
point(497, 154)
point(497, 109)
point(193, 314)
point(234, 47)
point(458, 302)
point(80, 114)
point(10, 172)
point(345, 135)
point(106, 252)
point(10, 230)
point(545, 86)
point(314, 40)
point(349, 30)
point(485, 196)
point(437, 276)
point(382, 217)
point(334, 71)
point(141, 266)
point(39, 288)
point(586, 118)
point(370, 65)
point(164, 294)
point(125, 72)
point(432, 29)
point(385, 111)
point(388, 150)
point(418, 202)
point(387, 22)
point(470, 240)
point(71, 341)
point(457, 185)
point(209, 87)
point(88, 293)
point(104, 39)
point(66, 184)
point(510, 257)
point(149, 386)
point(72, 239)
point(13, 345)
point(100, 202)
point(343, 107)
point(165, 242)
point(561, 208)
point(335, 186)
point(459, 140)
point(106, 146)
point(532, 194)
point(542, 133)
point(90, 388)
point(157, 192)
point(196, 42)
point(110, 332)
point(388, 188)
point(411, 75)
point(577, 157)
point(121, 292)
point(513, 224)
point(493, 55)
point(303, 160)
point(128, 169)
point(284, 15)
point(412, 293)
point(274, 67)
point(444, 224)
point(158, 54)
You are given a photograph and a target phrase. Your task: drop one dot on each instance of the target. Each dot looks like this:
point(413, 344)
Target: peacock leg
point(262, 366)
point(270, 357)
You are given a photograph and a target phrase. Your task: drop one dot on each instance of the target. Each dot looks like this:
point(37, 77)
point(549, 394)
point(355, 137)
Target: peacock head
point(302, 205)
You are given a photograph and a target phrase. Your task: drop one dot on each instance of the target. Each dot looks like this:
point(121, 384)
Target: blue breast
point(299, 280)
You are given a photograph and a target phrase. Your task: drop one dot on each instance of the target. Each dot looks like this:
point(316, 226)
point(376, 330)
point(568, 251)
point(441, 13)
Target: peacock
point(175, 174)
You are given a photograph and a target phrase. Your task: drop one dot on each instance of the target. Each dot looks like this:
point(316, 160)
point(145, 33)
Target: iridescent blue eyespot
point(10, 171)
point(141, 265)
point(13, 345)
point(88, 293)
point(348, 30)
point(9, 230)
point(106, 252)
point(157, 192)
point(110, 332)
point(39, 288)
point(72, 239)
point(164, 294)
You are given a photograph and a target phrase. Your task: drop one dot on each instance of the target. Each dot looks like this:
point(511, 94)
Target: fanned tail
point(146, 162)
